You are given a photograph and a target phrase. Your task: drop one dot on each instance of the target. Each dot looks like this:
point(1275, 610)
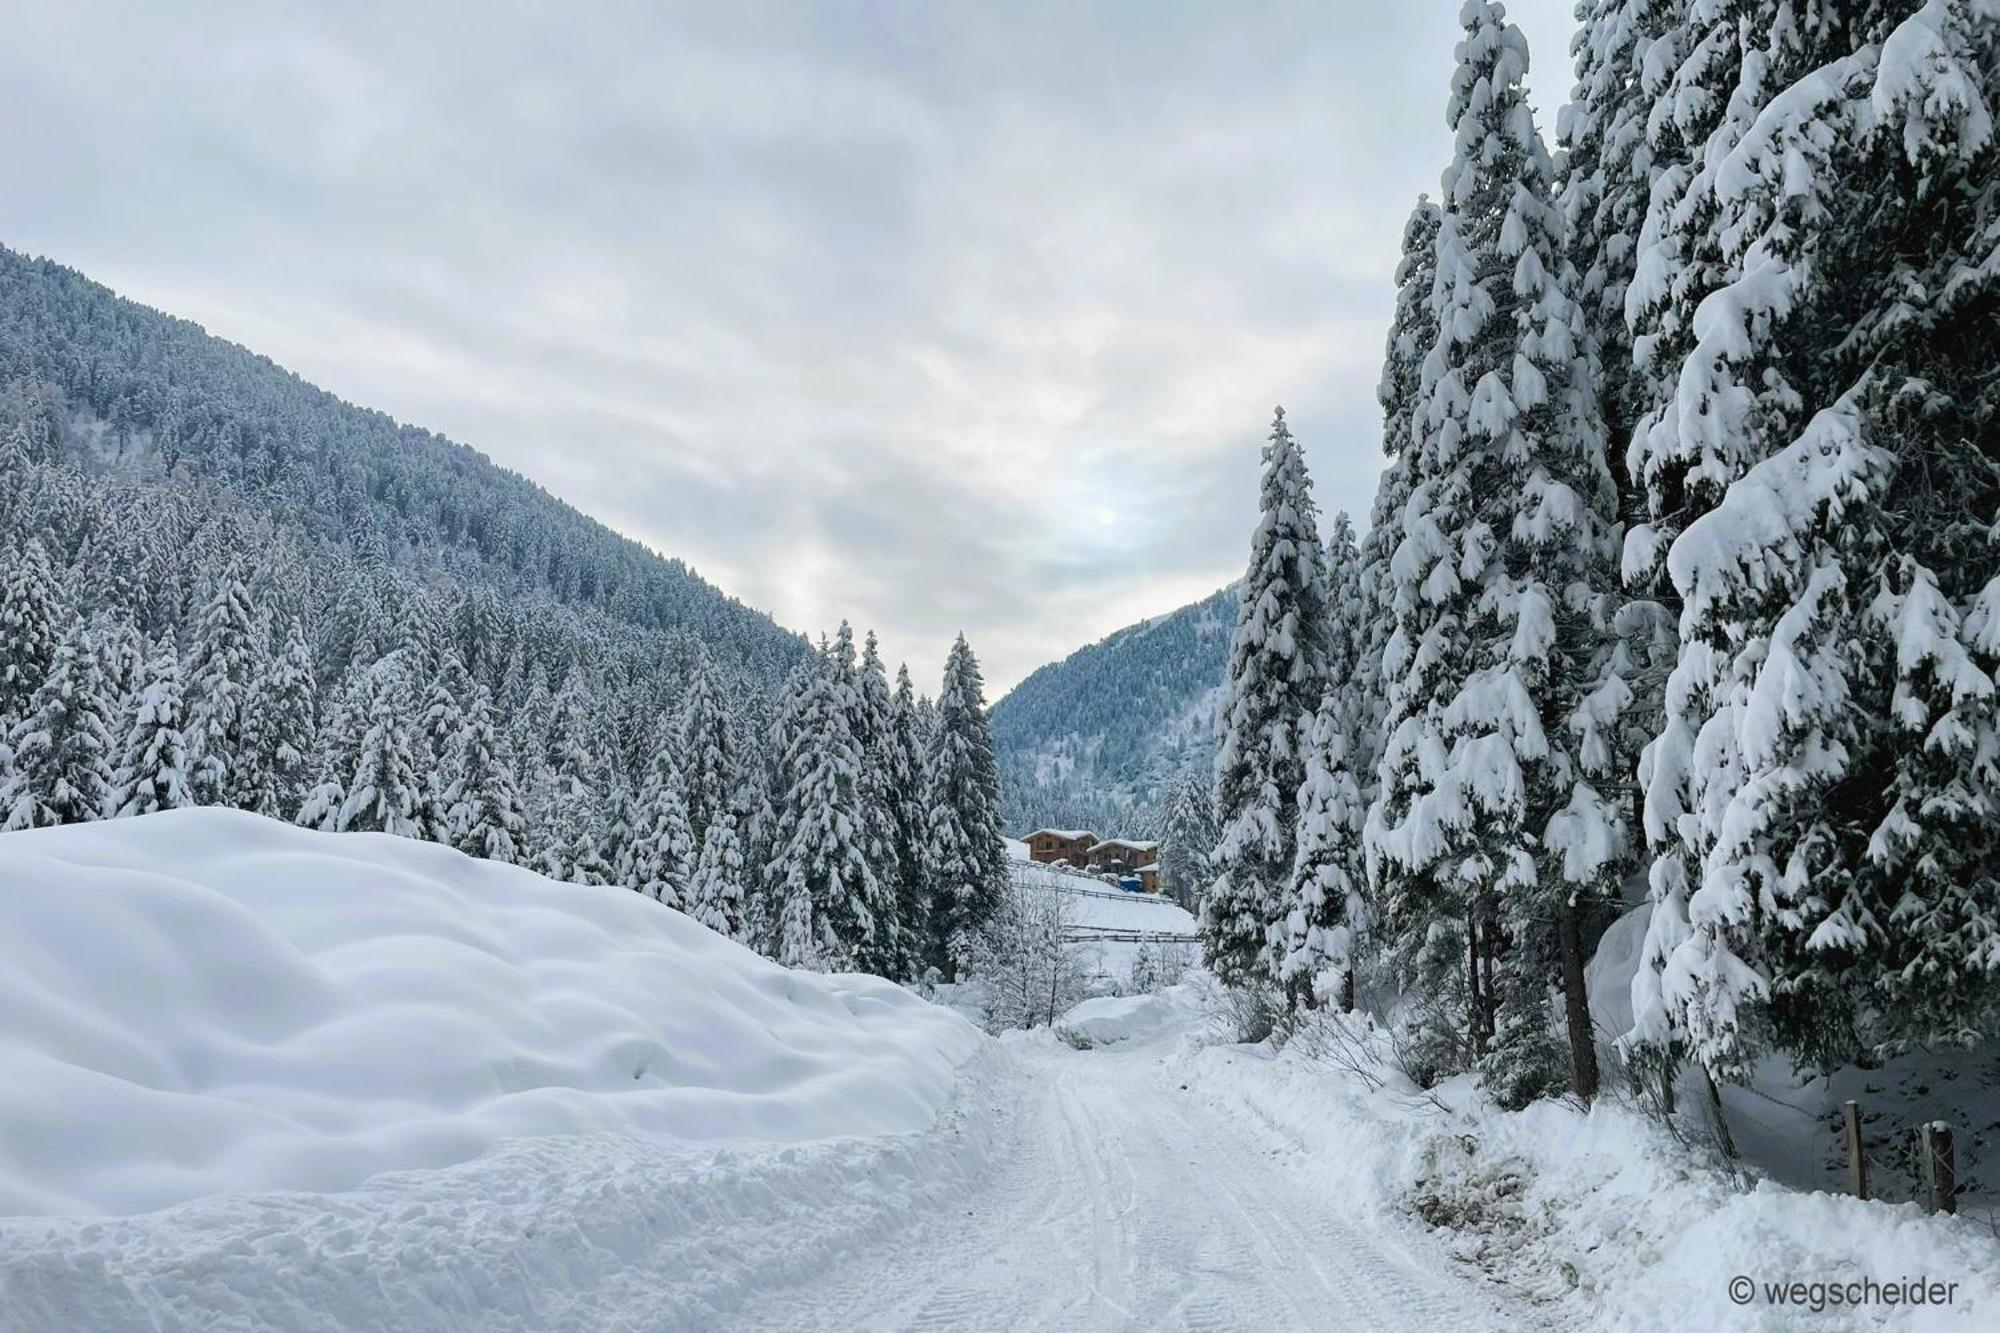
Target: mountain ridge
point(159, 394)
point(1095, 739)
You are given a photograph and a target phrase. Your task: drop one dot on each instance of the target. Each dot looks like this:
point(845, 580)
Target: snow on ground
point(1597, 1219)
point(1786, 1126)
point(1117, 1198)
point(1109, 1019)
point(368, 1083)
point(1099, 909)
point(203, 1002)
point(1101, 906)
point(379, 1085)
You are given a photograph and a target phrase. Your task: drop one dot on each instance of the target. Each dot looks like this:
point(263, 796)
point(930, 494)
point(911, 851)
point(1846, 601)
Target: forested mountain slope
point(1096, 739)
point(109, 384)
point(222, 586)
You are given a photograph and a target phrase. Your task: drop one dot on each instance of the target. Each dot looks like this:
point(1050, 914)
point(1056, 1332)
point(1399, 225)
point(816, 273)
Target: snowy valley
point(1554, 884)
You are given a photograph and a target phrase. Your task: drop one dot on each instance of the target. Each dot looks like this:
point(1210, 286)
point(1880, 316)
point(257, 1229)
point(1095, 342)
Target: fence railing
point(1120, 935)
point(1070, 882)
point(1120, 895)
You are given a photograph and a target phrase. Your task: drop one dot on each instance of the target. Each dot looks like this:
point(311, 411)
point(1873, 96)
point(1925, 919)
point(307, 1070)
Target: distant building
point(1124, 855)
point(1071, 845)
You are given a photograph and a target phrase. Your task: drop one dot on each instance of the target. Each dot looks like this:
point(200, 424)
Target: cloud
point(929, 317)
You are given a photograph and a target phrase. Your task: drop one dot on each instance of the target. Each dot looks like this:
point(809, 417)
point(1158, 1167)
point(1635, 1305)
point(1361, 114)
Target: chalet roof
point(1128, 843)
point(1153, 866)
point(1067, 835)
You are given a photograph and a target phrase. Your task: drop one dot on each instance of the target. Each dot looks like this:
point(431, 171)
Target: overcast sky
point(931, 316)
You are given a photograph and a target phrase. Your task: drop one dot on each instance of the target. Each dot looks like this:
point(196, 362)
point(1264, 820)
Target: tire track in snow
point(1118, 1202)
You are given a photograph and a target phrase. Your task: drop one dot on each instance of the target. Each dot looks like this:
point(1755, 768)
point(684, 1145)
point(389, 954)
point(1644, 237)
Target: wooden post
point(1857, 1164)
point(1940, 1169)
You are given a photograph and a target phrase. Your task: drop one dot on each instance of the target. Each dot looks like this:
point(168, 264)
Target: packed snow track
point(280, 1081)
point(1061, 1190)
point(1115, 1199)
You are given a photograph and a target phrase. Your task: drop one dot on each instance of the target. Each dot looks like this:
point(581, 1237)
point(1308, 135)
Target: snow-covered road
point(1116, 1199)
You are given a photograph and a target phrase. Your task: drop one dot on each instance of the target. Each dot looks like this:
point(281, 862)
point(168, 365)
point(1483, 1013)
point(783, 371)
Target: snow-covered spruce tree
point(152, 772)
point(529, 722)
point(32, 618)
point(566, 819)
point(823, 880)
point(485, 813)
point(1621, 137)
point(664, 852)
point(1188, 838)
point(442, 727)
point(17, 456)
point(121, 662)
point(907, 778)
point(618, 824)
point(1627, 52)
point(1277, 672)
point(60, 757)
point(1312, 946)
point(384, 788)
point(1490, 829)
point(864, 692)
point(711, 750)
point(335, 751)
point(225, 665)
point(1822, 792)
point(1693, 108)
point(967, 863)
point(1400, 393)
point(286, 727)
point(715, 894)
point(640, 724)
point(764, 894)
point(760, 912)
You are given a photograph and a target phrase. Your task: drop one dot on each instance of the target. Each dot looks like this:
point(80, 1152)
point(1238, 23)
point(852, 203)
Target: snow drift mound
point(204, 1002)
point(1109, 1019)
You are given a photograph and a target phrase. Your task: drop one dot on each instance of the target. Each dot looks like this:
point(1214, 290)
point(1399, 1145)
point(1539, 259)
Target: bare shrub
point(1032, 970)
point(1342, 1042)
point(1244, 1013)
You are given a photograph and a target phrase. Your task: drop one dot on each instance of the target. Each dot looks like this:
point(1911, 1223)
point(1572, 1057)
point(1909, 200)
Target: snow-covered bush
point(1029, 968)
point(1158, 965)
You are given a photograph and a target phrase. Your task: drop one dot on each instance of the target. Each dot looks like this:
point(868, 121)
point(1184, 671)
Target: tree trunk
point(1576, 1003)
point(1474, 1010)
point(1347, 989)
point(1055, 979)
point(1489, 1004)
point(1721, 1124)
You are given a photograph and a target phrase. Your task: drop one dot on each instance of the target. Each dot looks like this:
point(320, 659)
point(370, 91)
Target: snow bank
point(1110, 1019)
point(1601, 1217)
point(577, 1234)
point(204, 1002)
